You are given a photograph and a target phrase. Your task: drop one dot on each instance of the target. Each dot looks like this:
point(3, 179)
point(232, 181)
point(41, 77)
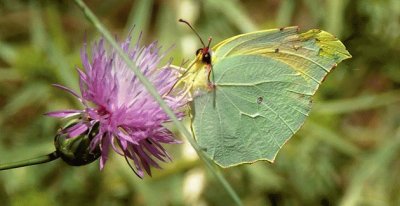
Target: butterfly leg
point(182, 77)
point(210, 84)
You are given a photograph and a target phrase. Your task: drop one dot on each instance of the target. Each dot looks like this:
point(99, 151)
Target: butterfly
point(253, 91)
point(197, 78)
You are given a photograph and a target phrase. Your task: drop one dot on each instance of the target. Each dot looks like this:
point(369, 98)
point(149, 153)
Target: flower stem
point(34, 161)
point(152, 90)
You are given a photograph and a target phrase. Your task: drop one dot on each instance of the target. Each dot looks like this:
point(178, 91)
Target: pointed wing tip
point(330, 46)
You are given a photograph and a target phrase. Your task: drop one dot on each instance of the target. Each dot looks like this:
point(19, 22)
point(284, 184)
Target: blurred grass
point(347, 153)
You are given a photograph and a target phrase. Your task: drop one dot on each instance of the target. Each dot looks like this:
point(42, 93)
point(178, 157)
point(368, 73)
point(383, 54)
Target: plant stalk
point(34, 161)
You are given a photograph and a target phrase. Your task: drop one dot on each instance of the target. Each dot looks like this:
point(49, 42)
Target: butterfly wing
point(264, 82)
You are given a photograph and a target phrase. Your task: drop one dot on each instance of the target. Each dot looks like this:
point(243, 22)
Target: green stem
point(152, 90)
point(34, 161)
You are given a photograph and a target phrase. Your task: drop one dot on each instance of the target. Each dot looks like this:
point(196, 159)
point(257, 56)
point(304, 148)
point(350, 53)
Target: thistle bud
point(76, 151)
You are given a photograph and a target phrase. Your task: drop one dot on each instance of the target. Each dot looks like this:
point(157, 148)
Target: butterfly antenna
point(209, 42)
point(187, 23)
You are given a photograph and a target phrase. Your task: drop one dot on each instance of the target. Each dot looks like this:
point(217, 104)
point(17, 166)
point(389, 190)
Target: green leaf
point(264, 82)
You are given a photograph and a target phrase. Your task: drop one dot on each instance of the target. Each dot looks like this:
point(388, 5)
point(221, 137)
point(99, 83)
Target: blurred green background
point(347, 153)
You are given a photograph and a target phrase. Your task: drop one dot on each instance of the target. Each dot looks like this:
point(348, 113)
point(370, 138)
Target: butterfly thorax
point(198, 80)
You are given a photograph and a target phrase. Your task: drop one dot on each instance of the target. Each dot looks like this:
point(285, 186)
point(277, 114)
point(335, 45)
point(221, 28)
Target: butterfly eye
point(198, 51)
point(206, 58)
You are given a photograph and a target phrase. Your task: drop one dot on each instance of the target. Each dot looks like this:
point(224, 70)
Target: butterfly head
point(204, 54)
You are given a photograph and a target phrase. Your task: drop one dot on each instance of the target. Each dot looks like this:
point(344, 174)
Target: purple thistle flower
point(129, 120)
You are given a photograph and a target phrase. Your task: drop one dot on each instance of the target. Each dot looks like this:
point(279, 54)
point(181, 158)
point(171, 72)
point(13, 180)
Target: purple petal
point(68, 90)
point(63, 113)
point(154, 151)
point(131, 154)
point(96, 141)
point(117, 148)
point(126, 137)
point(143, 161)
point(76, 130)
point(105, 147)
point(146, 158)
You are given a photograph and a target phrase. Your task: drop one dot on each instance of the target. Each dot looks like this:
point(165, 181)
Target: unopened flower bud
point(76, 151)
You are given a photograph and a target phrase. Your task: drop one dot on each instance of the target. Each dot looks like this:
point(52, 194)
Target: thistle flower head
point(128, 118)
